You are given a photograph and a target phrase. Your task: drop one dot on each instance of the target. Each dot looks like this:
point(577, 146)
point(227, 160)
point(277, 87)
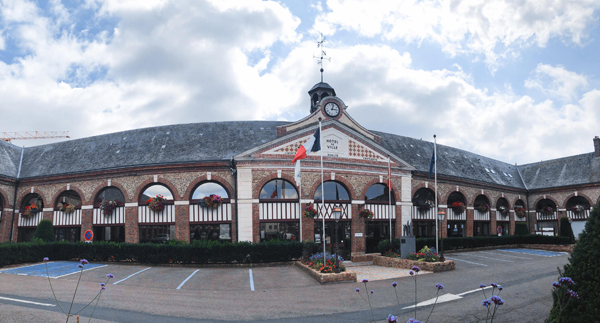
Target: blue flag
point(431, 164)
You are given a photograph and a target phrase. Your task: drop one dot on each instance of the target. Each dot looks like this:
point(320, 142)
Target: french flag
point(313, 144)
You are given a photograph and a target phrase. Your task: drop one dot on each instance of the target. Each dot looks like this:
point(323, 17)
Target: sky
point(512, 80)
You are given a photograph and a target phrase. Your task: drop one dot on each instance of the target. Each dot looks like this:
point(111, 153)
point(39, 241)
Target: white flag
point(297, 175)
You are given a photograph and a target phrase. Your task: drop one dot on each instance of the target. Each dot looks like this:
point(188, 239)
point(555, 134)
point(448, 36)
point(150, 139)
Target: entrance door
point(376, 232)
point(344, 238)
point(456, 229)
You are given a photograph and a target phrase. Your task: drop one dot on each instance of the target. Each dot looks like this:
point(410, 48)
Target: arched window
point(208, 188)
point(502, 209)
point(547, 217)
point(279, 189)
point(154, 190)
point(110, 193)
point(423, 213)
point(546, 206)
point(68, 198)
point(456, 197)
point(575, 201)
point(481, 216)
point(578, 208)
point(35, 199)
point(456, 215)
point(423, 195)
point(481, 200)
point(334, 191)
point(378, 193)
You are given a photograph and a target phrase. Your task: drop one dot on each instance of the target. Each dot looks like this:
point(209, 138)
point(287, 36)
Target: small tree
point(44, 231)
point(521, 229)
point(565, 228)
point(584, 269)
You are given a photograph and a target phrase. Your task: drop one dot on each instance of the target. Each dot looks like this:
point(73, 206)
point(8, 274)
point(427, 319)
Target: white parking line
point(27, 302)
point(190, 276)
point(131, 275)
point(490, 258)
point(78, 271)
point(470, 262)
point(473, 291)
point(442, 299)
point(251, 281)
point(511, 256)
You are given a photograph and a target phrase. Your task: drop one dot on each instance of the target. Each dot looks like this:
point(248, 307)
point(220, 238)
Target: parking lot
point(154, 293)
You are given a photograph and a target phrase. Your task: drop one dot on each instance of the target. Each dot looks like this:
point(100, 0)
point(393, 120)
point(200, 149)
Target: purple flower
point(394, 284)
point(411, 272)
point(556, 284)
point(486, 302)
point(497, 300)
point(391, 318)
point(500, 287)
point(413, 321)
point(416, 269)
point(566, 280)
point(494, 285)
point(439, 286)
point(46, 259)
point(572, 294)
point(80, 266)
point(365, 281)
point(358, 290)
point(102, 284)
point(84, 262)
point(372, 292)
point(481, 285)
point(110, 276)
point(103, 288)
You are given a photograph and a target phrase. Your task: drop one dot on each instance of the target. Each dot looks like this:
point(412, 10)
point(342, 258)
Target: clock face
point(332, 109)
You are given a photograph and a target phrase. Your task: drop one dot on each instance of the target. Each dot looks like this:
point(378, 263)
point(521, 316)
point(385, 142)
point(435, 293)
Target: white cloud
point(494, 28)
point(556, 81)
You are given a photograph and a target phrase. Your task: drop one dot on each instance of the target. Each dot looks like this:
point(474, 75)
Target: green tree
point(565, 229)
point(584, 269)
point(521, 229)
point(44, 231)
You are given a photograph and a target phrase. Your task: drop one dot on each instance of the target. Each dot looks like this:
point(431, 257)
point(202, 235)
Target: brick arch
point(145, 184)
point(344, 182)
point(376, 181)
point(578, 194)
point(420, 186)
point(204, 179)
point(35, 191)
point(547, 197)
point(516, 199)
point(268, 178)
point(507, 201)
point(484, 194)
point(4, 199)
point(445, 200)
point(72, 188)
point(103, 186)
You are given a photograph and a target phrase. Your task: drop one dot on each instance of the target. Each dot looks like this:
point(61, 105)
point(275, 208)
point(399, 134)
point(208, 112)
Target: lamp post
point(441, 215)
point(337, 212)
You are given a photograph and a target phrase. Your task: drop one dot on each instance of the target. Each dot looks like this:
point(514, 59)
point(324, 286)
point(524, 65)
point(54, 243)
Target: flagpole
point(322, 191)
point(390, 195)
point(300, 207)
point(437, 230)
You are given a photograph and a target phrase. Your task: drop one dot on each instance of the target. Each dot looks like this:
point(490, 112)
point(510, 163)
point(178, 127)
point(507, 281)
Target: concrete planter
point(345, 276)
point(407, 264)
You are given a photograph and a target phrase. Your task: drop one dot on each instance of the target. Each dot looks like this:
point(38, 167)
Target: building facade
point(105, 183)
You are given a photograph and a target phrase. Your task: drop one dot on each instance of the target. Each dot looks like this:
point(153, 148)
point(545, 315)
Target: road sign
point(499, 230)
point(88, 235)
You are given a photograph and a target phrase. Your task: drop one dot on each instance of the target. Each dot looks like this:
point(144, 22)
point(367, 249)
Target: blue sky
point(512, 80)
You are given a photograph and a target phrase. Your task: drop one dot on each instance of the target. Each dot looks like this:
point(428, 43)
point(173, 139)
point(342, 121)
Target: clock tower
point(317, 93)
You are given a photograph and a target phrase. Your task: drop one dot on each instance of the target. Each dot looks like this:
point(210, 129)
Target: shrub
point(521, 229)
point(44, 231)
point(584, 269)
point(385, 245)
point(475, 242)
point(565, 228)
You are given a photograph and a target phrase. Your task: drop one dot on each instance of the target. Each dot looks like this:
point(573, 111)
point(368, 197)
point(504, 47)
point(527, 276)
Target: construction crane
point(25, 135)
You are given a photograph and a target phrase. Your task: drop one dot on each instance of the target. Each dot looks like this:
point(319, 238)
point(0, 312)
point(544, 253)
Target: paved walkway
point(366, 270)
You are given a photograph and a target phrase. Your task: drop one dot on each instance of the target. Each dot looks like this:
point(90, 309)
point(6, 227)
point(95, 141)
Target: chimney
point(597, 146)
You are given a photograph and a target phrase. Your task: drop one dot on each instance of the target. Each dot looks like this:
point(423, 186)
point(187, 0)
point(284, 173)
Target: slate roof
point(217, 141)
point(452, 161)
point(10, 155)
point(572, 170)
point(149, 146)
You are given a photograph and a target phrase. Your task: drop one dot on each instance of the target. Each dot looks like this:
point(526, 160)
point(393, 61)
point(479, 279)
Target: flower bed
point(408, 264)
point(316, 262)
point(425, 254)
point(324, 278)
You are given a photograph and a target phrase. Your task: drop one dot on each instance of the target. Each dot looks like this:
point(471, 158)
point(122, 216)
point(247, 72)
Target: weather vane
point(323, 54)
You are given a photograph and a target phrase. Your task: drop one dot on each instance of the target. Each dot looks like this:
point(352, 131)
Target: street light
point(441, 216)
point(337, 212)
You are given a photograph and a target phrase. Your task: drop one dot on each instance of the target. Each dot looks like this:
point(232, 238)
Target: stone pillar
point(245, 208)
point(469, 224)
point(512, 223)
point(86, 222)
point(255, 223)
point(406, 198)
point(308, 225)
point(132, 232)
point(15, 226)
point(399, 225)
point(234, 237)
point(494, 223)
point(182, 222)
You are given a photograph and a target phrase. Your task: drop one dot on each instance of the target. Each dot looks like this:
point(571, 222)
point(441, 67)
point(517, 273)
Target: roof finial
point(323, 54)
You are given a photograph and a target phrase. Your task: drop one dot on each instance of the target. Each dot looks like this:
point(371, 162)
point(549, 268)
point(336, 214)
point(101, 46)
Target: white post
point(300, 206)
point(322, 191)
point(437, 230)
point(390, 195)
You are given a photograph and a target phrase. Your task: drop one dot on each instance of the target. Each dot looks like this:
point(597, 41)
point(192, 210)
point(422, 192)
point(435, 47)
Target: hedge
point(475, 242)
point(200, 252)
